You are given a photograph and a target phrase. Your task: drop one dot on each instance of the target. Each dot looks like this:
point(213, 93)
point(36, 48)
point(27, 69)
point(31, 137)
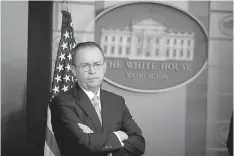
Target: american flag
point(63, 78)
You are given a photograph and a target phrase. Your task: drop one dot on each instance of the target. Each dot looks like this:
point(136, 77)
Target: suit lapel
point(106, 111)
point(84, 102)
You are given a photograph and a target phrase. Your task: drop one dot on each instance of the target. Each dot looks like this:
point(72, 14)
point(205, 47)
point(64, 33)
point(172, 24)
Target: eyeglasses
point(86, 67)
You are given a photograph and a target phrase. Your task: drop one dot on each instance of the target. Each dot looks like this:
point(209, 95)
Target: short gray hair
point(82, 45)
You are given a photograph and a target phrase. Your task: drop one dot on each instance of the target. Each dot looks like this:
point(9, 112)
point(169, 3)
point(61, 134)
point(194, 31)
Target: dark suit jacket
point(73, 107)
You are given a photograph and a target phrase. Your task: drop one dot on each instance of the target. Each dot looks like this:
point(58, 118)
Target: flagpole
point(64, 5)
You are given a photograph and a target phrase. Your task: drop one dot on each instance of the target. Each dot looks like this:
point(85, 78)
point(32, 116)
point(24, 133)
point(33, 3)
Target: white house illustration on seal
point(148, 40)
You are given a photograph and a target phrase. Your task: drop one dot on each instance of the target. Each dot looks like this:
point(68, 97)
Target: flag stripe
point(51, 147)
point(47, 150)
point(51, 142)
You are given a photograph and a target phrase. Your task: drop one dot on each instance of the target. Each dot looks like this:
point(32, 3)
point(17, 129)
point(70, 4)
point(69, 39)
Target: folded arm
point(135, 144)
point(120, 134)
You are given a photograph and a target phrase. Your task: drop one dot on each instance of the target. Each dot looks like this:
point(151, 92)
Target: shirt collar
point(90, 94)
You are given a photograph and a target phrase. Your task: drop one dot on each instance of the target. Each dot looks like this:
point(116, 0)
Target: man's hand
point(122, 135)
point(85, 128)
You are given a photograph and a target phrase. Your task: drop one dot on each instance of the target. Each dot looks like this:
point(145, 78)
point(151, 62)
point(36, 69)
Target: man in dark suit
point(89, 121)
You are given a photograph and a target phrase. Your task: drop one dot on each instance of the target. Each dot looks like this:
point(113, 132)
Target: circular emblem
point(226, 25)
point(150, 47)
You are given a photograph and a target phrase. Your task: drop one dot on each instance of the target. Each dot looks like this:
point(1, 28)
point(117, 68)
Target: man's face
point(89, 58)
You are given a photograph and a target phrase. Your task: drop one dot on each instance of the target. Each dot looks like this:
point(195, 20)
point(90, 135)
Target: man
point(89, 121)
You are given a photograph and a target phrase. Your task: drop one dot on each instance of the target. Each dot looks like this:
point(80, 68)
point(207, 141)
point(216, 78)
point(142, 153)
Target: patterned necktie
point(97, 108)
